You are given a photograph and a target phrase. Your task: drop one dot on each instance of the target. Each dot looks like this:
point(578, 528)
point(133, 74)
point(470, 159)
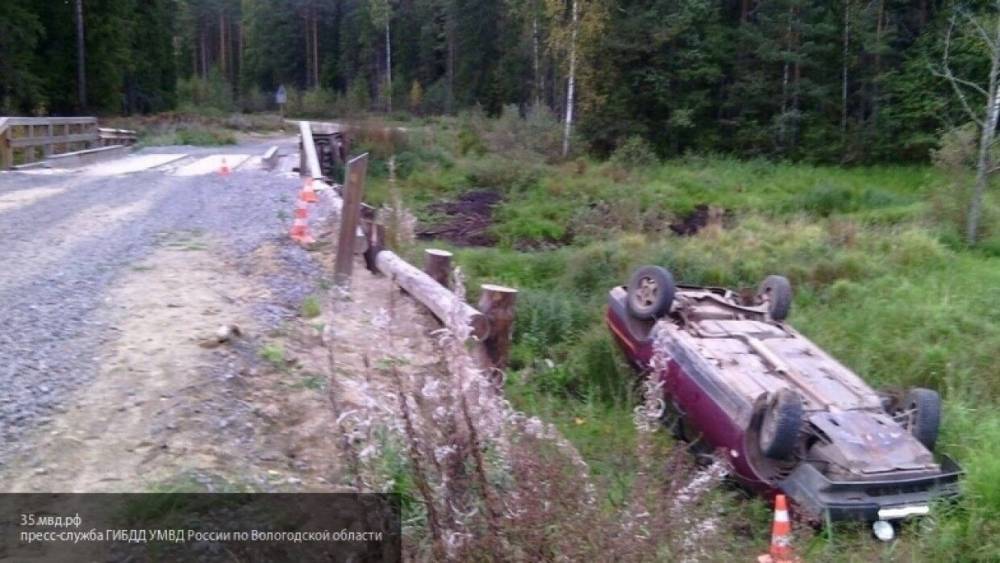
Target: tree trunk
point(222, 46)
point(81, 62)
point(315, 42)
point(388, 63)
point(844, 72)
point(879, 29)
point(984, 162)
point(785, 74)
point(571, 83)
point(450, 63)
point(797, 76)
point(534, 52)
point(204, 54)
point(308, 33)
point(239, 49)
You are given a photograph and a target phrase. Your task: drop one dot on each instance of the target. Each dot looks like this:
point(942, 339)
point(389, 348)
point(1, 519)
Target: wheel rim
point(907, 417)
point(645, 293)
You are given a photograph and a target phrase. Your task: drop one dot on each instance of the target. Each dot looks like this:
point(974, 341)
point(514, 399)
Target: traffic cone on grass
point(781, 535)
point(300, 224)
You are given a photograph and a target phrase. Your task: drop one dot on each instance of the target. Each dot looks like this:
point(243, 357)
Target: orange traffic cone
point(300, 224)
point(308, 194)
point(224, 169)
point(781, 535)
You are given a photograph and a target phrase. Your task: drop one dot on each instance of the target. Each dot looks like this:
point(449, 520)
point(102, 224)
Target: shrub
point(825, 199)
point(203, 136)
point(502, 174)
point(469, 142)
point(634, 152)
point(254, 100)
point(212, 92)
point(318, 102)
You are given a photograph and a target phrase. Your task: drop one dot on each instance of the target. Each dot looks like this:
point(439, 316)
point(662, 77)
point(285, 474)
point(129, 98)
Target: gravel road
point(68, 235)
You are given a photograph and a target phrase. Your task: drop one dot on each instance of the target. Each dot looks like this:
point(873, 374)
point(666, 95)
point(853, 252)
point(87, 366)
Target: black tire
point(780, 426)
point(777, 291)
point(650, 293)
point(922, 409)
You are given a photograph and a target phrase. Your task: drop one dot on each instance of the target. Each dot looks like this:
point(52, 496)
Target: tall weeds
point(483, 481)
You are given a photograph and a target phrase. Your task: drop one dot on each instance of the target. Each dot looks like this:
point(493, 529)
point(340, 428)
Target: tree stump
point(497, 303)
point(437, 265)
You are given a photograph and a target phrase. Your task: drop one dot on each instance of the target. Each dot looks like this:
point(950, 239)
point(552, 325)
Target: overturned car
point(737, 379)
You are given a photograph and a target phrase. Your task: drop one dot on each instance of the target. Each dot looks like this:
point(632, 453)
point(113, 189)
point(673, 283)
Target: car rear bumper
point(882, 499)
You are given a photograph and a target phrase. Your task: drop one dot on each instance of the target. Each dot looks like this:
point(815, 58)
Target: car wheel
point(776, 291)
point(650, 293)
point(921, 415)
point(779, 429)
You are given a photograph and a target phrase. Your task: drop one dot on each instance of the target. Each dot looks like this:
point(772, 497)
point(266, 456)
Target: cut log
point(444, 304)
point(437, 264)
point(497, 303)
point(376, 244)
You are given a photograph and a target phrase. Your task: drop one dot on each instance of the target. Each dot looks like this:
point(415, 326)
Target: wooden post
point(376, 244)
point(6, 152)
point(47, 148)
point(437, 265)
point(497, 303)
point(445, 305)
point(357, 167)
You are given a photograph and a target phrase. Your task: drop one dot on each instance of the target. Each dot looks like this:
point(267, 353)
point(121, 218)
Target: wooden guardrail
point(110, 137)
point(24, 140)
point(491, 326)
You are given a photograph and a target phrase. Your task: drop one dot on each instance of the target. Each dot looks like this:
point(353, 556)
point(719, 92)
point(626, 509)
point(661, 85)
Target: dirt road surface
point(113, 279)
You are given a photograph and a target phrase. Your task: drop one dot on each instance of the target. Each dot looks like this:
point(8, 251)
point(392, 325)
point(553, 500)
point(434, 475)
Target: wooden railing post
point(497, 303)
point(437, 265)
point(357, 168)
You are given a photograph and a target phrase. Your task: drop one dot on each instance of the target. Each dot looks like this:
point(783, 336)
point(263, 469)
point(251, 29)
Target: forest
point(840, 82)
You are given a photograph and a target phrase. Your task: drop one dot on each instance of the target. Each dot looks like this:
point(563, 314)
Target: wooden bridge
point(24, 140)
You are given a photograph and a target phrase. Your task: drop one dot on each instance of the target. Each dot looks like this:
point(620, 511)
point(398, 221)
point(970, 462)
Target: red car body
point(719, 361)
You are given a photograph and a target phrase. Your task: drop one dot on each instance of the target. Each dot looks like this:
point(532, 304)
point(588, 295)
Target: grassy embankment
point(881, 280)
point(204, 127)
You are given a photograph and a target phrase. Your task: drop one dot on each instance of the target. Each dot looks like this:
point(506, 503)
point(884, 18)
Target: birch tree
point(981, 105)
point(571, 80)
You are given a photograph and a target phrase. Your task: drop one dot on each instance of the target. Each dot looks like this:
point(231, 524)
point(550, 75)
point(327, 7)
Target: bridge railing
point(24, 140)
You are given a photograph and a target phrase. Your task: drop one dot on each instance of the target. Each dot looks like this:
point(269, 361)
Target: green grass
point(881, 281)
point(273, 354)
point(310, 307)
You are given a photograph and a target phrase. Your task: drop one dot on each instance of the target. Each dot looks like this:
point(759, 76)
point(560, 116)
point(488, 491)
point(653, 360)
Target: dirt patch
point(465, 221)
point(20, 198)
point(703, 216)
point(167, 411)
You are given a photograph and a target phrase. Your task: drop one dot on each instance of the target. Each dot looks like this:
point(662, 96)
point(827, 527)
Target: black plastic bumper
point(862, 500)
